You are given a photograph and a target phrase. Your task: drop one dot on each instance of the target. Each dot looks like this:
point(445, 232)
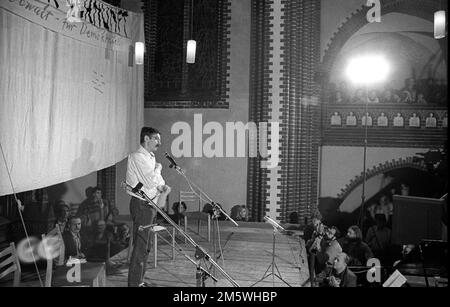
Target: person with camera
point(340, 276)
point(324, 250)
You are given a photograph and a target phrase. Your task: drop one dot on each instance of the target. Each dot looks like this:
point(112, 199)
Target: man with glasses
point(143, 168)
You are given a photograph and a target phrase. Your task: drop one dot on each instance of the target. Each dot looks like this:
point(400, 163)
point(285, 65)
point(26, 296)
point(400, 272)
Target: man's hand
point(334, 282)
point(164, 189)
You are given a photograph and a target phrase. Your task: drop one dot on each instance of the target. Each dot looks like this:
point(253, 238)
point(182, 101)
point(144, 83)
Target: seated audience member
point(387, 208)
point(62, 212)
point(409, 91)
point(338, 97)
point(369, 218)
point(396, 98)
point(353, 245)
point(213, 211)
point(373, 97)
point(388, 97)
point(378, 238)
point(341, 276)
point(75, 245)
point(313, 230)
point(421, 99)
point(343, 89)
point(360, 97)
point(96, 208)
point(178, 211)
point(332, 92)
point(98, 241)
point(122, 235)
point(404, 189)
point(293, 218)
point(239, 213)
point(325, 248)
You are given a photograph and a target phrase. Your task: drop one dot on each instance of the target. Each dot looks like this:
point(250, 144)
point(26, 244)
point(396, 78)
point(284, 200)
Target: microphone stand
point(200, 252)
point(216, 208)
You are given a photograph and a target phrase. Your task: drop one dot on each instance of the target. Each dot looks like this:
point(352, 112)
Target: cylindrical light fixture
point(439, 24)
point(190, 53)
point(139, 53)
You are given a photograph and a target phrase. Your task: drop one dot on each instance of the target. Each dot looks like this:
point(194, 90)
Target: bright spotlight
point(368, 69)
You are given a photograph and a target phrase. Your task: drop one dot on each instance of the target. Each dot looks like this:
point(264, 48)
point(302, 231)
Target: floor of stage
point(247, 254)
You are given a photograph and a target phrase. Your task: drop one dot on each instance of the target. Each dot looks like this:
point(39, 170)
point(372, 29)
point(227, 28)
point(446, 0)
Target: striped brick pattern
point(285, 53)
point(276, 69)
point(301, 116)
point(259, 104)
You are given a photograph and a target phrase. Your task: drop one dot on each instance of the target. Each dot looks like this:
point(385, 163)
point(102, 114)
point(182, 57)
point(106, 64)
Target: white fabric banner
point(68, 107)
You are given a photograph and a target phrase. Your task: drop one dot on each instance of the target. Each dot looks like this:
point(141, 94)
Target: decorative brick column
point(285, 54)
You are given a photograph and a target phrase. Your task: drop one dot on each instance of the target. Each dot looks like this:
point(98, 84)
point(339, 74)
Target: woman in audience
point(239, 213)
point(352, 244)
point(379, 238)
point(178, 211)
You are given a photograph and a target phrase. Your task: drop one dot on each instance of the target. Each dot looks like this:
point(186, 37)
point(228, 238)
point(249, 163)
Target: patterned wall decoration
point(285, 53)
point(389, 125)
point(169, 81)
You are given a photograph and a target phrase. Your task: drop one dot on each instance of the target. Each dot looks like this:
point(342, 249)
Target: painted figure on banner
point(367, 119)
point(414, 121)
point(382, 120)
point(431, 121)
point(351, 119)
point(398, 120)
point(336, 119)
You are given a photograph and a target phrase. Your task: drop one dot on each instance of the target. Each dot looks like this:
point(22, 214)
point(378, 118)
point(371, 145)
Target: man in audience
point(360, 97)
point(325, 249)
point(378, 238)
point(98, 241)
point(353, 245)
point(341, 276)
point(97, 208)
point(62, 212)
point(74, 244)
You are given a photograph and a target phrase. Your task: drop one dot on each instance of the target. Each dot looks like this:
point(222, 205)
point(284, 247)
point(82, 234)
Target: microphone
point(172, 161)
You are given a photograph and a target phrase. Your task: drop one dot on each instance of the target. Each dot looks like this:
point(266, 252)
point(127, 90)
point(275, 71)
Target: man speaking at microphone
point(143, 168)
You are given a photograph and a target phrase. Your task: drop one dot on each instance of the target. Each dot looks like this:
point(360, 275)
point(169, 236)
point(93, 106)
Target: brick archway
point(381, 169)
point(419, 8)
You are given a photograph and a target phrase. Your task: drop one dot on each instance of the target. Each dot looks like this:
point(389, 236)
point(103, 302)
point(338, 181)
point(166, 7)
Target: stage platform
point(247, 254)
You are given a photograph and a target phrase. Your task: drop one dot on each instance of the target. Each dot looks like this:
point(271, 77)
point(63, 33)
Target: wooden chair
point(194, 200)
point(55, 237)
point(12, 263)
